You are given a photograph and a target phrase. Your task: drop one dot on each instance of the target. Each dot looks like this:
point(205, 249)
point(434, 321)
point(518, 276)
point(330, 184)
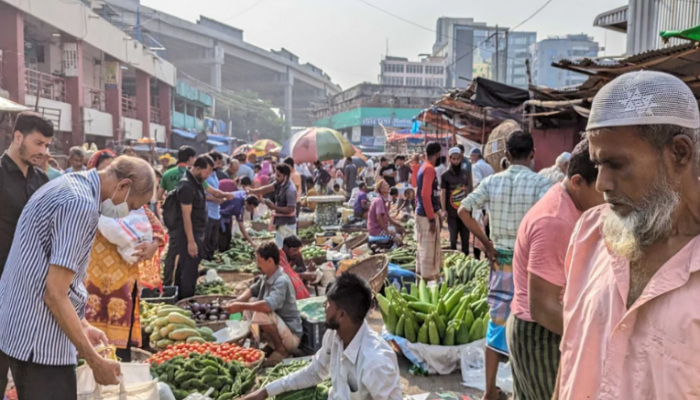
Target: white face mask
point(111, 210)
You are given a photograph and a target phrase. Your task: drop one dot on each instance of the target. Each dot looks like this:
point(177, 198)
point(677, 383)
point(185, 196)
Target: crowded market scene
point(487, 240)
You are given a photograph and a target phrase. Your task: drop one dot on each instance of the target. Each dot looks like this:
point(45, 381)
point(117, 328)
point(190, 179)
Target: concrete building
point(94, 82)
point(217, 54)
point(554, 49)
point(642, 20)
point(361, 111)
point(398, 71)
point(474, 49)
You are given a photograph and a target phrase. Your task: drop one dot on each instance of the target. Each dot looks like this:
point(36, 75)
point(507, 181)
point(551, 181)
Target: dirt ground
point(412, 384)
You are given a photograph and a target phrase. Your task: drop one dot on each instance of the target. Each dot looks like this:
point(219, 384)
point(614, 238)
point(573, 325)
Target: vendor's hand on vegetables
point(192, 249)
point(95, 336)
point(146, 250)
point(260, 394)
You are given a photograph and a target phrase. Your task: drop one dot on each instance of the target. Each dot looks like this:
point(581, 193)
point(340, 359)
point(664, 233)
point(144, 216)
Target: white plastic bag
point(137, 391)
point(198, 396)
point(132, 373)
point(127, 233)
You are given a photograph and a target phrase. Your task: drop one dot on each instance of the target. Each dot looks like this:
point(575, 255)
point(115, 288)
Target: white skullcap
point(564, 158)
point(644, 98)
point(454, 150)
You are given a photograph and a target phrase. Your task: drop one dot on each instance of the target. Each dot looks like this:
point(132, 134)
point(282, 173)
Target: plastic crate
point(153, 295)
point(312, 339)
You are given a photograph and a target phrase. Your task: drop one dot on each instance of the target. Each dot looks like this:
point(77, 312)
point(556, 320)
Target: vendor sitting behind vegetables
point(270, 305)
point(292, 256)
point(379, 222)
point(360, 364)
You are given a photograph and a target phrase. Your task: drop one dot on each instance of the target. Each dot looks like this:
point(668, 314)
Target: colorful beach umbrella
point(317, 144)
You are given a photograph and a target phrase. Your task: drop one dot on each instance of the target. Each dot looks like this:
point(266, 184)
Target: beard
point(456, 168)
point(27, 158)
point(649, 221)
point(332, 323)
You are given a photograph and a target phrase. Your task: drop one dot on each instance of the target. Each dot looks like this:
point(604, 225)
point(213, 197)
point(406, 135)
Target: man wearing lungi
point(428, 221)
point(509, 195)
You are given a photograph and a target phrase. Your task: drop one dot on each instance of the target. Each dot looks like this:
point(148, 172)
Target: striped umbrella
point(317, 144)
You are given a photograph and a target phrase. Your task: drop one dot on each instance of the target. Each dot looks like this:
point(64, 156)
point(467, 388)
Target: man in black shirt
point(456, 184)
point(187, 242)
point(19, 175)
point(387, 172)
point(321, 179)
point(219, 164)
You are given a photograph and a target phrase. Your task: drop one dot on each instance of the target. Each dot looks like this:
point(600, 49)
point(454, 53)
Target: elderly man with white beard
point(631, 314)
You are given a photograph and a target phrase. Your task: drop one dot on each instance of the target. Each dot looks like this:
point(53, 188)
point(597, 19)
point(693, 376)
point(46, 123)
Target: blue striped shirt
point(57, 227)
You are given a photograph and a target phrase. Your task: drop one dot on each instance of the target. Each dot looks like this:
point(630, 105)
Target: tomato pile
point(227, 352)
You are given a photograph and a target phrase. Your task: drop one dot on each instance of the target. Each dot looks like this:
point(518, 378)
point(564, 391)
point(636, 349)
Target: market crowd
point(593, 261)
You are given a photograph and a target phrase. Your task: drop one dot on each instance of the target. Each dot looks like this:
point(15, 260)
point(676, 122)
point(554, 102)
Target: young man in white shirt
point(359, 362)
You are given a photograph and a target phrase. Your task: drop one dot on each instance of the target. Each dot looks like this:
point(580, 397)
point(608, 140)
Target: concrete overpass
point(215, 53)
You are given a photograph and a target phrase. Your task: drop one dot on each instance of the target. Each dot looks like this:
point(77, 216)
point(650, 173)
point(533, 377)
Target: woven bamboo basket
point(372, 269)
point(213, 325)
point(319, 260)
point(140, 355)
point(354, 242)
point(304, 224)
point(259, 225)
point(495, 149)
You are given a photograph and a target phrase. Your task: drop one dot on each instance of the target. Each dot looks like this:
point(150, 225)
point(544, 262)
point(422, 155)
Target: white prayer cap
point(644, 98)
point(564, 157)
point(454, 150)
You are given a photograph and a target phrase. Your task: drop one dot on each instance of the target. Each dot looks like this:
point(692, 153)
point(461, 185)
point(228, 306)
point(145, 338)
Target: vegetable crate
point(153, 296)
point(312, 339)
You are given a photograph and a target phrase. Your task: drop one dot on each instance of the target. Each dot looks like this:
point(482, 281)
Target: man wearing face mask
point(360, 364)
point(455, 185)
point(45, 277)
point(186, 247)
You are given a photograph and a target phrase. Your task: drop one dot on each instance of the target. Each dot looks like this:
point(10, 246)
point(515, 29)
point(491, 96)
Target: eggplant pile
point(207, 312)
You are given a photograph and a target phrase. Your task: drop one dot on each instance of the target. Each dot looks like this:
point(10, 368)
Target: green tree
point(250, 114)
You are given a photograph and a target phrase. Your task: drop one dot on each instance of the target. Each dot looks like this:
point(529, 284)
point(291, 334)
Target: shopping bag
point(132, 373)
point(127, 233)
point(136, 391)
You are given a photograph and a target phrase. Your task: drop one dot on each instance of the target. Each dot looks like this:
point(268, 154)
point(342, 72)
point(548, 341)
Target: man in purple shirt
point(236, 208)
point(361, 206)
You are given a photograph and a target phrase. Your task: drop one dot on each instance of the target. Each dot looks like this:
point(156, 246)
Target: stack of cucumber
point(403, 257)
point(438, 316)
point(465, 270)
point(167, 324)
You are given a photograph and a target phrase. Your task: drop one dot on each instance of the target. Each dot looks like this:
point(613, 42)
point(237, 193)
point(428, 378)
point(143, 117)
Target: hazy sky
point(347, 38)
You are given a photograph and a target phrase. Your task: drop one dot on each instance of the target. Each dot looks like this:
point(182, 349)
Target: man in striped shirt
point(42, 296)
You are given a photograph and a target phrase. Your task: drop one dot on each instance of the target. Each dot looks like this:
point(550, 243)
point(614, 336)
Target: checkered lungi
point(429, 260)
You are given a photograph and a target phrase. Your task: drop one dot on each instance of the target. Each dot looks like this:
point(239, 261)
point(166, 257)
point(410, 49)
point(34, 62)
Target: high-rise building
point(474, 49)
point(398, 71)
point(554, 49)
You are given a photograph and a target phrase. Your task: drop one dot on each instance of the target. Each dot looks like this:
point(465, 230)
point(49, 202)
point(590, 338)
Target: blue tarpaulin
point(185, 134)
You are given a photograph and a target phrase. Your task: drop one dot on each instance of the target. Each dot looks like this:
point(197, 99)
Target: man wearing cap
point(557, 172)
point(166, 162)
point(455, 185)
point(630, 315)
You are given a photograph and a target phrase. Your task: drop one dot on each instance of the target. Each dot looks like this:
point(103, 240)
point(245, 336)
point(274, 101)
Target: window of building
point(393, 80)
point(393, 67)
point(414, 69)
point(413, 81)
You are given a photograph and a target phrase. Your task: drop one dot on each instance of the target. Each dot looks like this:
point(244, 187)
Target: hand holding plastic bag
point(127, 233)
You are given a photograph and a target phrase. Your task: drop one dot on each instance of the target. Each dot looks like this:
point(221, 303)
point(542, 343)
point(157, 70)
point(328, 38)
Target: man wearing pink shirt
point(534, 327)
point(631, 315)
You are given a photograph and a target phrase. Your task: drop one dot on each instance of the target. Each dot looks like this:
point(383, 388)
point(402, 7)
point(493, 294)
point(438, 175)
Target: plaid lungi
point(429, 260)
point(534, 357)
point(501, 287)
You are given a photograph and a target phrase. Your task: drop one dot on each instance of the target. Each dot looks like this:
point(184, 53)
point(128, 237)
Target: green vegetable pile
point(310, 232)
point(441, 316)
point(403, 257)
point(260, 235)
point(169, 324)
point(465, 270)
point(319, 392)
point(200, 372)
point(235, 266)
point(240, 250)
point(313, 252)
point(216, 287)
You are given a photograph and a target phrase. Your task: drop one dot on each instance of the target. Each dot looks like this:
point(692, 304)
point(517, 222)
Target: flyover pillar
point(288, 87)
point(217, 54)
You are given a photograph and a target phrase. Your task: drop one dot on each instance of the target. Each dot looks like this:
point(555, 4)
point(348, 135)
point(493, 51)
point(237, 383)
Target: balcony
point(94, 98)
point(186, 122)
point(128, 108)
point(47, 86)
